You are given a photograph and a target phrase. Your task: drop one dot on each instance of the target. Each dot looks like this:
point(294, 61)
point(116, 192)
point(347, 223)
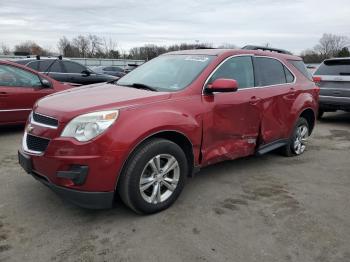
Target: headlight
point(86, 127)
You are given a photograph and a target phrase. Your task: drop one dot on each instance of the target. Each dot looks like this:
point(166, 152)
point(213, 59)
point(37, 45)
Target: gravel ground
point(267, 208)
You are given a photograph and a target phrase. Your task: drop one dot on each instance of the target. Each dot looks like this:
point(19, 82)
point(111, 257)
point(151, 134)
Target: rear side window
point(112, 68)
point(289, 75)
point(238, 68)
point(33, 65)
point(298, 64)
point(22, 62)
point(72, 67)
point(334, 67)
point(50, 66)
point(271, 71)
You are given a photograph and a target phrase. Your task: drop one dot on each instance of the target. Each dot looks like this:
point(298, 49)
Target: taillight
point(317, 79)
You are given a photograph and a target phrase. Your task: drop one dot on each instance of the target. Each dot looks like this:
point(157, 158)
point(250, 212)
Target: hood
point(72, 102)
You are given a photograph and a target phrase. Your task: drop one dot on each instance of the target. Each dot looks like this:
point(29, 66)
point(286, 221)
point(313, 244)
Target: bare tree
point(110, 48)
point(95, 45)
point(31, 48)
point(227, 46)
point(311, 56)
point(82, 43)
point(330, 45)
point(64, 46)
point(5, 50)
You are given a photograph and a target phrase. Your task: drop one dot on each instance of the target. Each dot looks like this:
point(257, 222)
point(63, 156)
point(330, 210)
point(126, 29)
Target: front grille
point(41, 119)
point(38, 144)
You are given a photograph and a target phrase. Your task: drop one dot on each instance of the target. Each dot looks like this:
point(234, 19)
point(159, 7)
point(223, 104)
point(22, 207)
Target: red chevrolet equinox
point(140, 137)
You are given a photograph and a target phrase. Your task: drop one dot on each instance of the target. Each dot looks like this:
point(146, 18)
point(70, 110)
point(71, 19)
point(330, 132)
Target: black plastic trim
point(271, 146)
point(77, 174)
point(89, 200)
point(264, 48)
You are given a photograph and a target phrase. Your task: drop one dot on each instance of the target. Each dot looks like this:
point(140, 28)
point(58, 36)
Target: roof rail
point(263, 48)
point(204, 47)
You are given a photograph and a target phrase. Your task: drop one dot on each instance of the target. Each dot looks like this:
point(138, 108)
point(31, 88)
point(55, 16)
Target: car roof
point(27, 60)
point(219, 52)
point(337, 58)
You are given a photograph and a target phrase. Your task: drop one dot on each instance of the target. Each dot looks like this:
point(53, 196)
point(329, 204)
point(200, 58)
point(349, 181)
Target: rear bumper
point(334, 102)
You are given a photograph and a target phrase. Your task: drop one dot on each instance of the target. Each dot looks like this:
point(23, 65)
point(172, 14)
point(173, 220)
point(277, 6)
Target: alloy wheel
point(300, 141)
point(159, 178)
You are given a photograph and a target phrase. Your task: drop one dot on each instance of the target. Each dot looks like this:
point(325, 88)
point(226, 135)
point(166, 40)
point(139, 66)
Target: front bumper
point(85, 199)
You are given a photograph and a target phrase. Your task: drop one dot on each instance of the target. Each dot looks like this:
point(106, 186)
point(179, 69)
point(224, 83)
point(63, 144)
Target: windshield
point(167, 72)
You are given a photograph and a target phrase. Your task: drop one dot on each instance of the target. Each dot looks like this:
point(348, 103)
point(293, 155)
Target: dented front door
point(230, 125)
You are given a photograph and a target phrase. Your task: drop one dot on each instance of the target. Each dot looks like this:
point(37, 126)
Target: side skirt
point(263, 149)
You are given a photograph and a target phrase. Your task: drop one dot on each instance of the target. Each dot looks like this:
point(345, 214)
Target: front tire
point(298, 141)
point(154, 176)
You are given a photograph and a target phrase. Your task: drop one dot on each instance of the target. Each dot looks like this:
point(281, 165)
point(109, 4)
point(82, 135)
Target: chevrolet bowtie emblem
point(30, 128)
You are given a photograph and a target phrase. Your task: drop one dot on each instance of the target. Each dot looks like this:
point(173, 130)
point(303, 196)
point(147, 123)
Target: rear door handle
point(4, 94)
point(292, 90)
point(254, 100)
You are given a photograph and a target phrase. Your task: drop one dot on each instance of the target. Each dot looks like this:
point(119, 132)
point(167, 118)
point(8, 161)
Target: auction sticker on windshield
point(197, 58)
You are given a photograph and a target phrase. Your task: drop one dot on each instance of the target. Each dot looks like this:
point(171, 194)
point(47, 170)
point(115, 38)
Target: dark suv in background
point(333, 78)
point(109, 70)
point(64, 70)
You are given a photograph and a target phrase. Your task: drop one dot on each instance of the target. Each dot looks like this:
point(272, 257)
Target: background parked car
point(20, 88)
point(130, 67)
point(109, 70)
point(65, 70)
point(333, 77)
point(312, 68)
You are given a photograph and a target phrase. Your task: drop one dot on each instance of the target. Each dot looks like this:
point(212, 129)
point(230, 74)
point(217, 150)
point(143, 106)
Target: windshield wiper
point(142, 86)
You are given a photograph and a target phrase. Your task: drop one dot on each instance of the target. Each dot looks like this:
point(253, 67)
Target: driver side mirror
point(85, 73)
point(222, 85)
point(44, 84)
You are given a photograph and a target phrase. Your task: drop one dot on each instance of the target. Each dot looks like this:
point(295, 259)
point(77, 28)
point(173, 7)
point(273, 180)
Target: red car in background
point(20, 88)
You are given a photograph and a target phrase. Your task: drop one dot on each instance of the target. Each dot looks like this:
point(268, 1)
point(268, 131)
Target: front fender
point(134, 125)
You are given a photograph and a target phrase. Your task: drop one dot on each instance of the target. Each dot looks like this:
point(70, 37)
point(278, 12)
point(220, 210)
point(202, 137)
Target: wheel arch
point(310, 117)
point(172, 135)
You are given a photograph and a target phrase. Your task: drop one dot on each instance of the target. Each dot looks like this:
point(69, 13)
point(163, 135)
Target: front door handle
point(254, 100)
point(4, 94)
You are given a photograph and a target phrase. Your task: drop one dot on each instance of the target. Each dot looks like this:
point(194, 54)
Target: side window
point(117, 69)
point(239, 68)
point(13, 76)
point(50, 66)
point(72, 67)
point(271, 71)
point(33, 65)
point(298, 64)
point(289, 75)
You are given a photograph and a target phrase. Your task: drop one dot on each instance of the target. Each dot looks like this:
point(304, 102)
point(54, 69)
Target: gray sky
point(294, 24)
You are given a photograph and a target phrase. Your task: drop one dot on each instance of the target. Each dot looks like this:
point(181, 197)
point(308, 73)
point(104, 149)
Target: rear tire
point(154, 176)
point(298, 141)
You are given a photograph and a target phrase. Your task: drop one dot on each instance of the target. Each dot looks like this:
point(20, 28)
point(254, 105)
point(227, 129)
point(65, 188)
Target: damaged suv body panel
point(180, 111)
